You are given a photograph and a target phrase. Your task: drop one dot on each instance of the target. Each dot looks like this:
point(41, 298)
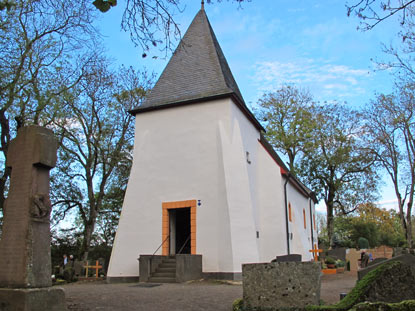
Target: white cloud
point(325, 80)
point(388, 204)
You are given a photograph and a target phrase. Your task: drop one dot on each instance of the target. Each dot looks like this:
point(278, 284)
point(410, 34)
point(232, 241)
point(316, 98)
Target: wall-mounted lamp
point(247, 158)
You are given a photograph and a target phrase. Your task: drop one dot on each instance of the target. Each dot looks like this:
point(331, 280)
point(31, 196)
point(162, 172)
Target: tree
point(376, 225)
point(387, 222)
point(288, 121)
point(110, 212)
point(96, 135)
point(373, 12)
point(390, 128)
point(337, 166)
point(40, 46)
point(325, 148)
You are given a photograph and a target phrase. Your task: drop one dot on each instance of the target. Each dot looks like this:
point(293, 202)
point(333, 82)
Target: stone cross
point(25, 244)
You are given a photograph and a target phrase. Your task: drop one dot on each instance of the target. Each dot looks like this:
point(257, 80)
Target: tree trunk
point(3, 181)
point(4, 141)
point(409, 227)
point(330, 216)
point(88, 230)
point(330, 224)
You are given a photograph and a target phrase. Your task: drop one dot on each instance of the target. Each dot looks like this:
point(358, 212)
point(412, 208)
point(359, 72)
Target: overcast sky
point(268, 43)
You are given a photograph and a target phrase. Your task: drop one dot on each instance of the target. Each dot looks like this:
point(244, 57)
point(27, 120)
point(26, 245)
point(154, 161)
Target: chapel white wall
point(179, 155)
point(301, 242)
point(199, 152)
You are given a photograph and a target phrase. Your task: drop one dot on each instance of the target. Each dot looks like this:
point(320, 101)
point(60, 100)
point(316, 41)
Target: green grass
point(406, 305)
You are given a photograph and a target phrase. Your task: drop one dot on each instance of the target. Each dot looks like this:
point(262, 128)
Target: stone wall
point(353, 255)
point(188, 267)
point(281, 285)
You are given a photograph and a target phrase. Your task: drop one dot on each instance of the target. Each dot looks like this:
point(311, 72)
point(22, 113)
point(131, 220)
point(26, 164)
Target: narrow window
point(314, 221)
point(289, 212)
point(305, 220)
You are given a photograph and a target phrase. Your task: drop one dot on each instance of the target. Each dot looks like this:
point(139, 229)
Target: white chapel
point(204, 180)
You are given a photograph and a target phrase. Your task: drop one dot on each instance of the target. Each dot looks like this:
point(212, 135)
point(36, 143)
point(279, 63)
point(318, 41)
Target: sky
point(268, 43)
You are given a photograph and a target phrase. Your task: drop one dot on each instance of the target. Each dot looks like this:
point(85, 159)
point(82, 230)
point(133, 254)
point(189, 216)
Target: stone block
point(188, 267)
point(287, 258)
point(281, 285)
point(32, 299)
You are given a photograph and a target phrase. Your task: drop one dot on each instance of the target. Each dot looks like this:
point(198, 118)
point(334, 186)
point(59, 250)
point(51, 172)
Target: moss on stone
point(237, 305)
point(406, 305)
point(358, 292)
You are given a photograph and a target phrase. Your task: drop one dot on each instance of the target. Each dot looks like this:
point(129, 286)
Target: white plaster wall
point(239, 201)
point(301, 241)
point(250, 135)
point(199, 152)
point(314, 218)
point(270, 199)
point(178, 156)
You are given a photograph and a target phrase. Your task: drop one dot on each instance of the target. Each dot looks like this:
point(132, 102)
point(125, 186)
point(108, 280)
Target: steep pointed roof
point(197, 71)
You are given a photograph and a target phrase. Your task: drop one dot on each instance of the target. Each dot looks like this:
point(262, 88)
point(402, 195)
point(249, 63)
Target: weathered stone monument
point(281, 285)
point(25, 263)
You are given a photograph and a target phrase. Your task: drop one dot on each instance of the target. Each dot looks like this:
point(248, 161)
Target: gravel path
point(181, 297)
point(194, 296)
point(333, 285)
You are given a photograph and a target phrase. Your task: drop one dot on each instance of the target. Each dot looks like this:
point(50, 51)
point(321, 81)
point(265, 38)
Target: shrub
point(363, 243)
point(340, 263)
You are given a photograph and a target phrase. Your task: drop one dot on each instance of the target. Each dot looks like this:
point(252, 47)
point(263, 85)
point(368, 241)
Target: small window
point(305, 219)
point(314, 221)
point(290, 212)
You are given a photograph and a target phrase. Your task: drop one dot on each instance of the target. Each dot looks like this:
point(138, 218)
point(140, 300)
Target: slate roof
point(197, 71)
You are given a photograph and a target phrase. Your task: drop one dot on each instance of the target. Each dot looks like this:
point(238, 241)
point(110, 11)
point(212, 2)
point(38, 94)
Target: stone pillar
point(25, 263)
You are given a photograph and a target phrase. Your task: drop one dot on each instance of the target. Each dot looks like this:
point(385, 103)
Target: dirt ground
point(193, 296)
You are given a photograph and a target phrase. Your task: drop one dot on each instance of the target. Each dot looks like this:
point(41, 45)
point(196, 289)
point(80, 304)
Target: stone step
point(167, 265)
point(171, 260)
point(161, 280)
point(164, 275)
point(164, 269)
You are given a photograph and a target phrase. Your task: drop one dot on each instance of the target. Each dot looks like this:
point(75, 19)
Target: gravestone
point(25, 262)
point(338, 253)
point(78, 268)
point(281, 285)
point(288, 258)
